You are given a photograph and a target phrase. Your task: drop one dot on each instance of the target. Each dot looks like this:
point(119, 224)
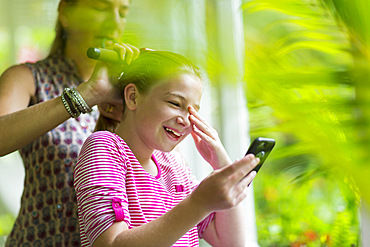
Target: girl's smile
point(173, 133)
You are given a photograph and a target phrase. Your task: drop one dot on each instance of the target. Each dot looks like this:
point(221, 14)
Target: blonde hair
point(145, 72)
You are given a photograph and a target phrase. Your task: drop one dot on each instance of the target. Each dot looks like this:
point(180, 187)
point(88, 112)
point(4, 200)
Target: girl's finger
point(203, 127)
point(202, 135)
point(202, 124)
point(239, 169)
point(197, 115)
point(195, 136)
point(248, 179)
point(241, 189)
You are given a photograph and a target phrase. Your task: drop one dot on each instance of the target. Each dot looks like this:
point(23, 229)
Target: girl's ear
point(63, 16)
point(131, 94)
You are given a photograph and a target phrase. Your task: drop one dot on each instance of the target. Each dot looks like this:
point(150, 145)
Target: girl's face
point(162, 115)
point(89, 22)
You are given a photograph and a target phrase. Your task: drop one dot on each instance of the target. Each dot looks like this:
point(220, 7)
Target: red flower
point(297, 244)
point(310, 235)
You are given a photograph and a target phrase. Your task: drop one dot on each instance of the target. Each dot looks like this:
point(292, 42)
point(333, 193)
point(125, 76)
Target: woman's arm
point(20, 125)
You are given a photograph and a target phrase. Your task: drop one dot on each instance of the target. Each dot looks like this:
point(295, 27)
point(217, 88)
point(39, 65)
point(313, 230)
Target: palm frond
point(314, 102)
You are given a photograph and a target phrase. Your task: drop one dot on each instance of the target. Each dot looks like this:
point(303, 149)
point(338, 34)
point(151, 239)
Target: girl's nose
point(183, 120)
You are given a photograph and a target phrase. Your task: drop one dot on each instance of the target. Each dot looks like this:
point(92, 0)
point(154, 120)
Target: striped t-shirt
point(111, 185)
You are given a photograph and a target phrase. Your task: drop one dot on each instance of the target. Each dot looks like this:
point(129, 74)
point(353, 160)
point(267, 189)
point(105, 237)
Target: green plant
point(314, 213)
point(6, 224)
point(313, 58)
point(304, 88)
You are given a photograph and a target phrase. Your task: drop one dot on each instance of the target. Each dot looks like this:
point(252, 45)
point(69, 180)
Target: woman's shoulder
point(19, 79)
point(28, 68)
point(18, 72)
point(19, 68)
point(40, 64)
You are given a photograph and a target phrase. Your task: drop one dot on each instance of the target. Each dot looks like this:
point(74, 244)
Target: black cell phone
point(261, 148)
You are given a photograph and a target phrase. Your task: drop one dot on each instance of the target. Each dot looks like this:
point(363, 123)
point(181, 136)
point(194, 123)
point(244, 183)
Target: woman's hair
point(60, 40)
point(145, 72)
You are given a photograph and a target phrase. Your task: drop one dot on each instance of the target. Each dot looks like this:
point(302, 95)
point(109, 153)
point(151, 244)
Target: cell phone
point(261, 148)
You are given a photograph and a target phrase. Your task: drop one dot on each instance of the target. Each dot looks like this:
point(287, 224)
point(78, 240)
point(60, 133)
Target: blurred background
point(293, 70)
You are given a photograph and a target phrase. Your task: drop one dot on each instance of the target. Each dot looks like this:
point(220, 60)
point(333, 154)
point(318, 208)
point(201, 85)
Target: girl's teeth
point(176, 134)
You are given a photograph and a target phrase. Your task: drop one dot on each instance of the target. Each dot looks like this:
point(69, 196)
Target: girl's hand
point(207, 141)
point(101, 86)
point(226, 187)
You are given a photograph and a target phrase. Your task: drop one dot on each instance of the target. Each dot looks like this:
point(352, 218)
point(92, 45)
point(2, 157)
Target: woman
point(37, 102)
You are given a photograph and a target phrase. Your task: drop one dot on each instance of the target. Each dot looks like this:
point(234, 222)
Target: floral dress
point(48, 213)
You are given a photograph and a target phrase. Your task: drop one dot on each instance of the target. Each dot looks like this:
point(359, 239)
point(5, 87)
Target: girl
point(134, 190)
point(35, 121)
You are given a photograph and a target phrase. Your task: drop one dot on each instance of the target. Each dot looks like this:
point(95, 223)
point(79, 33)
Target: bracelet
point(69, 106)
point(72, 106)
point(74, 103)
point(78, 102)
point(85, 106)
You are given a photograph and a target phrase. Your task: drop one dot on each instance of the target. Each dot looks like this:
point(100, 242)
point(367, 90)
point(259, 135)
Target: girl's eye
point(174, 103)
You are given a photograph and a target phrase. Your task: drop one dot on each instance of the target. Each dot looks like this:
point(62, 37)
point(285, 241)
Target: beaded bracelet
point(69, 106)
point(74, 103)
point(82, 102)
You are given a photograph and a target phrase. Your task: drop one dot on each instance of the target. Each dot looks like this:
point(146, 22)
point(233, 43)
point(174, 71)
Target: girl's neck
point(142, 153)
point(85, 66)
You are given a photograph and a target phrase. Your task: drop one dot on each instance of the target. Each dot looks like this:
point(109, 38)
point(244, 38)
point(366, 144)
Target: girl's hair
point(60, 40)
point(145, 72)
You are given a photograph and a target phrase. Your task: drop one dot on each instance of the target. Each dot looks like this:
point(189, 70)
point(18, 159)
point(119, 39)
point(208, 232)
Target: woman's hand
point(226, 187)
point(112, 111)
point(101, 85)
point(207, 141)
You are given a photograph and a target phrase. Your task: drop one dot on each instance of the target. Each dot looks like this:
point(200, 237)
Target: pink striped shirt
point(111, 185)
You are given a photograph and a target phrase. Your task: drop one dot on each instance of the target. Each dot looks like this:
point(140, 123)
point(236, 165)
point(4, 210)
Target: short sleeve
point(202, 226)
point(100, 184)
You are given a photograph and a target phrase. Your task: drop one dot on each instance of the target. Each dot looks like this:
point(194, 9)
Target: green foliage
point(312, 214)
point(6, 224)
point(341, 231)
point(4, 53)
point(31, 43)
point(303, 83)
point(313, 60)
point(305, 92)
